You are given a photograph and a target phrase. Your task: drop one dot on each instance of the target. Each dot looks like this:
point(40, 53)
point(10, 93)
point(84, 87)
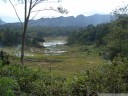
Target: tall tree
point(29, 5)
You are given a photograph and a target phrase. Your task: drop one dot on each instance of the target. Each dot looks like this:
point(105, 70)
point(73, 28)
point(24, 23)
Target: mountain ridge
point(80, 21)
point(71, 21)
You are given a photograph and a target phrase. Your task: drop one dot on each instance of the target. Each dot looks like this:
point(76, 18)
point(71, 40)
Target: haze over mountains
point(79, 21)
point(2, 22)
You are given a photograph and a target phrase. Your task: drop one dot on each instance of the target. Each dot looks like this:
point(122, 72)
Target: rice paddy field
point(73, 61)
point(60, 59)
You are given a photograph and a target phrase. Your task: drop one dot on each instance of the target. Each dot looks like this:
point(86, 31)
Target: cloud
point(75, 7)
point(88, 7)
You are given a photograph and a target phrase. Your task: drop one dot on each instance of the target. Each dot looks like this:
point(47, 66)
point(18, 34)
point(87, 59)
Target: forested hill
point(80, 21)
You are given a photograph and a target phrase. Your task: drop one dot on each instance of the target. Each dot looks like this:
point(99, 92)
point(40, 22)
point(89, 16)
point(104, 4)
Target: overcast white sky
point(75, 7)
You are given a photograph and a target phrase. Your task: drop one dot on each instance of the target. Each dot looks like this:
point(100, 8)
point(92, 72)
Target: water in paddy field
point(52, 46)
point(17, 52)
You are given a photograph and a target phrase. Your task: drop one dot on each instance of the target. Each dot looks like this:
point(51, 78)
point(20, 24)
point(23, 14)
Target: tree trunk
point(24, 33)
point(23, 42)
point(23, 47)
point(26, 20)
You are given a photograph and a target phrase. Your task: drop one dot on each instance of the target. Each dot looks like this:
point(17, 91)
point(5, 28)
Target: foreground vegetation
point(81, 74)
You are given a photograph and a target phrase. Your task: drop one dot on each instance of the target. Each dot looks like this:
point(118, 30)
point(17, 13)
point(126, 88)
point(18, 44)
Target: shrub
point(9, 87)
point(108, 78)
point(34, 83)
point(4, 57)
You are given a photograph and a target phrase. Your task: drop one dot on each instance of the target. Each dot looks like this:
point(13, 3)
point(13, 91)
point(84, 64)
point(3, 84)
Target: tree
point(118, 37)
point(29, 5)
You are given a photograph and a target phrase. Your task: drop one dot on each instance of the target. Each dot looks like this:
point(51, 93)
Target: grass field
point(68, 64)
point(76, 60)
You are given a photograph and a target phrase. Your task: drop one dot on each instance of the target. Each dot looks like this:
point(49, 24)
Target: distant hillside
point(71, 21)
point(9, 19)
point(1, 22)
point(80, 21)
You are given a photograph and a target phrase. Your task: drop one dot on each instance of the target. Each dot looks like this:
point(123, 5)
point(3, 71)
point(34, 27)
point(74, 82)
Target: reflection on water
point(52, 47)
point(53, 43)
point(18, 54)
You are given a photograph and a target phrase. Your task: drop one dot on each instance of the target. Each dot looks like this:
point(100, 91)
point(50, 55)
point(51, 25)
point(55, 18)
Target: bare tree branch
point(16, 13)
point(17, 4)
point(35, 15)
point(37, 2)
point(59, 9)
point(44, 10)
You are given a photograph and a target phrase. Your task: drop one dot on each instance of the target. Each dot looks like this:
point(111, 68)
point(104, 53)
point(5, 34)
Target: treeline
point(41, 30)
point(10, 34)
point(51, 31)
point(89, 35)
point(9, 37)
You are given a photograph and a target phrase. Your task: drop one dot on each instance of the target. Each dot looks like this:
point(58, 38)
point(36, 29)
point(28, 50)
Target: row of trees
point(12, 37)
point(89, 35)
point(50, 31)
point(9, 38)
point(39, 31)
point(11, 34)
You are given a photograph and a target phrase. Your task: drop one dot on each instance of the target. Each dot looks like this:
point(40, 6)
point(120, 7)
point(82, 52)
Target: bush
point(9, 87)
point(108, 78)
point(78, 87)
point(4, 57)
point(34, 83)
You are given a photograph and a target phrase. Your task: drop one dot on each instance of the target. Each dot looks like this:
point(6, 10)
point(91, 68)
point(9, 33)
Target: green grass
point(68, 64)
point(73, 62)
point(56, 38)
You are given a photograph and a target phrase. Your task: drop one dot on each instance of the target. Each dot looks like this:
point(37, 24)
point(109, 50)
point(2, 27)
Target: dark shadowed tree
point(29, 5)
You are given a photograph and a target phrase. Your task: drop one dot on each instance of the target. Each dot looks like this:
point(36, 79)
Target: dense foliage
point(89, 35)
point(51, 31)
point(12, 37)
point(9, 37)
point(19, 80)
point(117, 38)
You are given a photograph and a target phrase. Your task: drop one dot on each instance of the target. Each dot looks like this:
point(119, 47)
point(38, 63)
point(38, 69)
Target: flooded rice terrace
point(53, 44)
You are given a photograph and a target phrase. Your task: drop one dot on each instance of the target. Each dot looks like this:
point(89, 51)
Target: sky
point(75, 7)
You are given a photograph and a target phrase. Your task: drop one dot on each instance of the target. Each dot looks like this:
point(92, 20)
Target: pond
point(53, 44)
